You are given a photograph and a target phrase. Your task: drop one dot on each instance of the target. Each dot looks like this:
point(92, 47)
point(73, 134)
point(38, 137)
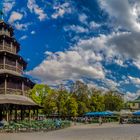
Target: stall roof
point(104, 113)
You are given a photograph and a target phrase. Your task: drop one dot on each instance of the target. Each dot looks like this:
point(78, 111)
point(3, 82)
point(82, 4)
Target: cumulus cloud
point(94, 25)
point(15, 16)
point(61, 10)
point(33, 32)
point(131, 96)
point(124, 13)
point(83, 18)
point(34, 8)
point(82, 60)
point(8, 5)
point(21, 26)
point(23, 37)
point(76, 29)
point(127, 43)
point(134, 80)
point(69, 65)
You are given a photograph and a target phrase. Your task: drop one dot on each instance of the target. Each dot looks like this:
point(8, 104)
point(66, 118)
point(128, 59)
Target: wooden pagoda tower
point(14, 86)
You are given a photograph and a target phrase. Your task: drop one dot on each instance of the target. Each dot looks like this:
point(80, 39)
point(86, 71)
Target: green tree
point(39, 92)
point(113, 101)
point(50, 103)
point(80, 92)
point(97, 101)
point(72, 106)
point(61, 102)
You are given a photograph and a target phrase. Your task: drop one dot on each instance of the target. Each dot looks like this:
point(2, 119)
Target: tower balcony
point(12, 84)
point(13, 91)
point(8, 48)
point(5, 32)
point(11, 69)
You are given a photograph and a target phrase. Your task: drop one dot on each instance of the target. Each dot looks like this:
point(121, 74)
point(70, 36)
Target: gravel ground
point(110, 131)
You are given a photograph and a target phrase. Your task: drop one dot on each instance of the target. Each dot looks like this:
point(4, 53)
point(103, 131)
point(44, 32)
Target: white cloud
point(94, 25)
point(33, 32)
point(111, 84)
point(82, 60)
point(76, 29)
point(131, 96)
point(15, 16)
point(23, 37)
point(137, 63)
point(61, 10)
point(21, 26)
point(134, 80)
point(69, 65)
point(34, 8)
point(120, 10)
point(119, 62)
point(8, 5)
point(83, 18)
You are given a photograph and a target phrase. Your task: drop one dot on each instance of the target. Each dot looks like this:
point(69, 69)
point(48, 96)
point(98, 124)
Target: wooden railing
point(2, 32)
point(13, 91)
point(8, 48)
point(2, 91)
point(11, 68)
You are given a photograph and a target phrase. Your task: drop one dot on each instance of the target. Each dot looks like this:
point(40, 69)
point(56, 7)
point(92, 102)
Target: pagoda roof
point(17, 100)
point(25, 79)
point(7, 26)
point(11, 39)
point(20, 59)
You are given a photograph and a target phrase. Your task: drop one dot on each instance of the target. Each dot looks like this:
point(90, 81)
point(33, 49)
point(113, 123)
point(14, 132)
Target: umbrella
point(125, 112)
point(104, 113)
point(137, 113)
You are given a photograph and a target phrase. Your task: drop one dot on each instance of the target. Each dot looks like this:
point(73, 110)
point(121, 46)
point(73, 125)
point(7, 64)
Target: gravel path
point(82, 132)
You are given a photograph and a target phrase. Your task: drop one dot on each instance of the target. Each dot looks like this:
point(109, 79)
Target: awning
point(137, 113)
point(96, 114)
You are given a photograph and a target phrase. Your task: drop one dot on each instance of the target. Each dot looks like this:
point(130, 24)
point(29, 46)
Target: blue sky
point(95, 41)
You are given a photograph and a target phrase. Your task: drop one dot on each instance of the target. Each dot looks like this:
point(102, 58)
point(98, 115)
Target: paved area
point(82, 132)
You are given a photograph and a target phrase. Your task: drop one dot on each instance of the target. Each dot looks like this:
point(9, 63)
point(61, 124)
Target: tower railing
point(13, 91)
point(11, 68)
point(2, 32)
point(7, 48)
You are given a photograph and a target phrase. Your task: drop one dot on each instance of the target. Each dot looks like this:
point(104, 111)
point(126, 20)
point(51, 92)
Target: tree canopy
point(76, 101)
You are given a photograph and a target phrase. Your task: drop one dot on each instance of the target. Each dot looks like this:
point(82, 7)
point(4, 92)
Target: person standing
point(100, 120)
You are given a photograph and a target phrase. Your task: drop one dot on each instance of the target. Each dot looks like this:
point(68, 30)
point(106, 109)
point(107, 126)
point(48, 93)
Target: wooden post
point(11, 45)
point(7, 115)
point(5, 85)
point(16, 66)
point(30, 117)
point(0, 115)
point(29, 114)
point(4, 61)
point(11, 118)
point(15, 115)
point(37, 114)
point(23, 93)
point(3, 43)
point(21, 114)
